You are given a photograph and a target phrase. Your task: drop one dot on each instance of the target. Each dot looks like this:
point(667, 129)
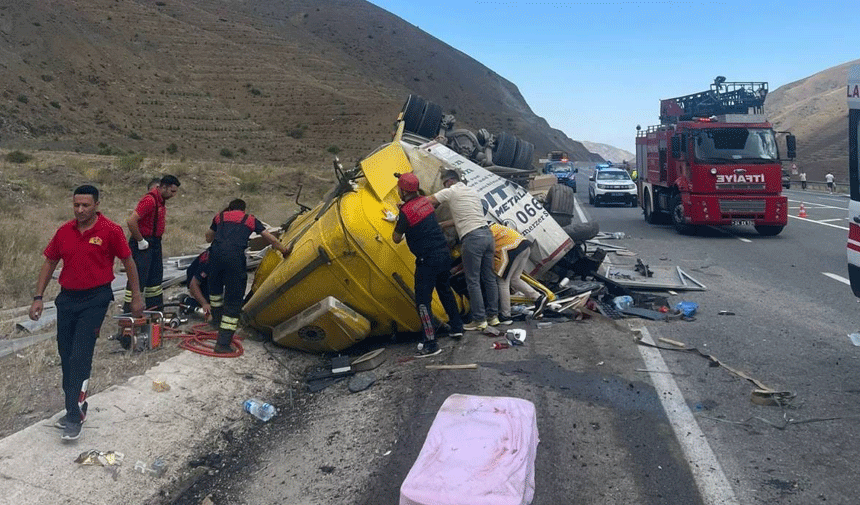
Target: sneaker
point(61, 422)
point(475, 326)
point(493, 321)
point(505, 320)
point(456, 335)
point(72, 431)
point(540, 304)
point(429, 349)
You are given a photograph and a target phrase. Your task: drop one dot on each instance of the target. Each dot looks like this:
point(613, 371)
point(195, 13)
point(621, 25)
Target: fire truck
point(713, 160)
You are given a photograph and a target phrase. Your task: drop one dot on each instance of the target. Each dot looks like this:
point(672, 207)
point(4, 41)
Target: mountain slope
point(263, 80)
point(814, 109)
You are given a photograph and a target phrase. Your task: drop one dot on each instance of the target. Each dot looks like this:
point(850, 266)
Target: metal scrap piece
point(95, 457)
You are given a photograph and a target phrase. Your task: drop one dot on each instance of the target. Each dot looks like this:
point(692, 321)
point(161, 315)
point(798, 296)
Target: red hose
point(201, 340)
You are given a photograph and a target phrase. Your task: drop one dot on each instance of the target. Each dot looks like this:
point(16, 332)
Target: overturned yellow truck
point(346, 279)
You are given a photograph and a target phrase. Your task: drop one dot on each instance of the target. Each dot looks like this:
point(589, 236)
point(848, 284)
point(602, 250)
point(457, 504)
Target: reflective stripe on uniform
point(216, 300)
point(229, 323)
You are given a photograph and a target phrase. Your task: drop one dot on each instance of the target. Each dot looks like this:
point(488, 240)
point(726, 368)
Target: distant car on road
point(564, 171)
point(611, 185)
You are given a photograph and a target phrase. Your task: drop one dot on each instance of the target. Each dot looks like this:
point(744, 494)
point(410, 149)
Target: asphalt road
point(620, 423)
point(792, 314)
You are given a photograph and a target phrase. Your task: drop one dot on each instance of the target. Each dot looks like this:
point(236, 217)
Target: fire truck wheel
point(677, 208)
point(648, 211)
point(505, 149)
point(413, 110)
point(430, 121)
point(768, 230)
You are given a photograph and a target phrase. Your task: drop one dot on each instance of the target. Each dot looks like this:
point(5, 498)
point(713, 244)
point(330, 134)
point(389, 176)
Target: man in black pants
point(88, 246)
point(146, 226)
point(228, 273)
point(417, 222)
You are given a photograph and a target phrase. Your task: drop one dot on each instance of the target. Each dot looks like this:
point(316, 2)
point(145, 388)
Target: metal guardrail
point(838, 187)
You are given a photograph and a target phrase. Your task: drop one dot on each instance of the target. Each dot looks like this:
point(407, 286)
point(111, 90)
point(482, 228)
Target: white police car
point(611, 185)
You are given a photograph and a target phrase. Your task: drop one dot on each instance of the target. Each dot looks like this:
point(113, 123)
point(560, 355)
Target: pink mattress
point(480, 450)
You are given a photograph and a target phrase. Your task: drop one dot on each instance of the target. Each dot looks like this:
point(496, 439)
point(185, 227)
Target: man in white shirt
point(478, 248)
point(829, 179)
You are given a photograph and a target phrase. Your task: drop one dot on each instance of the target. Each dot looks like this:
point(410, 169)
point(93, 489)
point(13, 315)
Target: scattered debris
point(160, 386)
point(368, 361)
point(470, 366)
point(725, 313)
point(643, 269)
point(672, 342)
point(95, 457)
point(361, 381)
point(855, 338)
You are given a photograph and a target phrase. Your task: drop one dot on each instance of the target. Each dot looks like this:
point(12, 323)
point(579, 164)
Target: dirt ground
point(31, 380)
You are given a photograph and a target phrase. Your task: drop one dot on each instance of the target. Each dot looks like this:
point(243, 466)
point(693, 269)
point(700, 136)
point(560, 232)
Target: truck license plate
point(737, 222)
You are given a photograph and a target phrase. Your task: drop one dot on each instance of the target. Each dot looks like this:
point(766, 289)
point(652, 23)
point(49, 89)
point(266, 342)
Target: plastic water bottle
point(261, 410)
point(623, 302)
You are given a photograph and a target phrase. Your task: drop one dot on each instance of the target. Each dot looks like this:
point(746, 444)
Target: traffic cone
point(802, 212)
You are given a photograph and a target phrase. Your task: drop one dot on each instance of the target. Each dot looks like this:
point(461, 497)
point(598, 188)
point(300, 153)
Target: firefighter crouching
point(228, 274)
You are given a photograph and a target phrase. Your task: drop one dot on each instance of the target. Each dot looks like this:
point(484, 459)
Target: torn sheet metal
point(663, 278)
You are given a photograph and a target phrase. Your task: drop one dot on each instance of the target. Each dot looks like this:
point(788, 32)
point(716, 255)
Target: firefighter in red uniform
point(417, 222)
point(88, 246)
point(228, 274)
point(146, 225)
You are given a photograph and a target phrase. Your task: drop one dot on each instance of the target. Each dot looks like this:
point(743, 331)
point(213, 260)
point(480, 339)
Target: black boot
point(222, 345)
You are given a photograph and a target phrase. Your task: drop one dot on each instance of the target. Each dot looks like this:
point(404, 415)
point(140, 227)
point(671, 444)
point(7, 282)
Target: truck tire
point(648, 209)
point(413, 110)
point(677, 209)
point(431, 119)
point(523, 155)
point(769, 230)
point(503, 152)
point(559, 203)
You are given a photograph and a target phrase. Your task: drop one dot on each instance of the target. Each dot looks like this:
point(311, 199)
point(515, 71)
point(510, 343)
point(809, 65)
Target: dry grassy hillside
point(815, 110)
point(266, 81)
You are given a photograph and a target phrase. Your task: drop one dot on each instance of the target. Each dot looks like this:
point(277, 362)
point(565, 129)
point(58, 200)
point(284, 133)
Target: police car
point(610, 184)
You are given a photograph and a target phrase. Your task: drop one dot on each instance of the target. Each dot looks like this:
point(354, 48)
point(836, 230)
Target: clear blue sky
point(597, 69)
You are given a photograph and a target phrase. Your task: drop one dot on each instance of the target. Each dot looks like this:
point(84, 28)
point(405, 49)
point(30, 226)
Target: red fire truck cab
point(714, 161)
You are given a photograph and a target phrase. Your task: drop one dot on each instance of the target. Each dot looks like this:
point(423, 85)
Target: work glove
point(142, 245)
point(389, 216)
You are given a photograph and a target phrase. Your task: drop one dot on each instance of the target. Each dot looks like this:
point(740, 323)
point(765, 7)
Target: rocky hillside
point(265, 80)
point(609, 153)
point(814, 109)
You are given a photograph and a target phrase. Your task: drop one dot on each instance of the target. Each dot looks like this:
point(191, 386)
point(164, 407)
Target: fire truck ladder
point(723, 98)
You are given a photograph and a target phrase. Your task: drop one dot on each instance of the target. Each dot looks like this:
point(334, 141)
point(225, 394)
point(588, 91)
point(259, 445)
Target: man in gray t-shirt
point(477, 249)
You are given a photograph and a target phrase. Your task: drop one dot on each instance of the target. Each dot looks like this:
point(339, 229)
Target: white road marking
point(839, 278)
point(713, 485)
point(830, 220)
point(723, 230)
point(816, 205)
point(579, 212)
point(818, 222)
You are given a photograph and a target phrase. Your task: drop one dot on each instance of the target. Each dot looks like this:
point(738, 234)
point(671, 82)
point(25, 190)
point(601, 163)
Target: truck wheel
point(560, 200)
point(413, 110)
point(503, 152)
point(677, 207)
point(648, 211)
point(769, 230)
point(431, 119)
point(523, 156)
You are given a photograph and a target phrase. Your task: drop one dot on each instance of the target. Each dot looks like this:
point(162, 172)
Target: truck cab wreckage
point(346, 280)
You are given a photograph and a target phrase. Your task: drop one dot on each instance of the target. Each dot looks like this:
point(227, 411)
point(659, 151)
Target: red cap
point(407, 182)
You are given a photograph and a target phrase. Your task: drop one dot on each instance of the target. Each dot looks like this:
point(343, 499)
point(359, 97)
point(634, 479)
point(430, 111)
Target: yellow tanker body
point(343, 249)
